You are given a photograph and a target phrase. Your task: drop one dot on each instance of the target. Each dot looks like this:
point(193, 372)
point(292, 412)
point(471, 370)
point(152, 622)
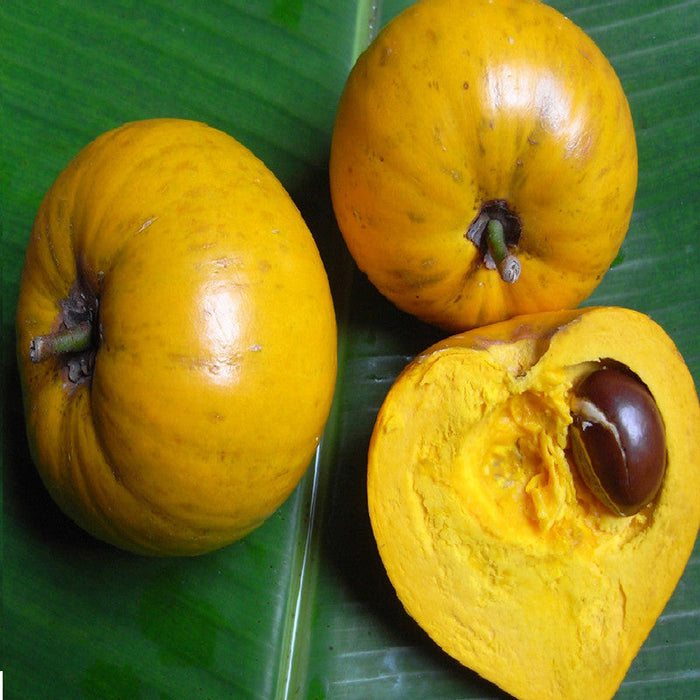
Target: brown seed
point(618, 439)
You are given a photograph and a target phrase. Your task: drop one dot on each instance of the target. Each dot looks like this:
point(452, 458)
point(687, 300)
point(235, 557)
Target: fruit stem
point(66, 340)
point(508, 265)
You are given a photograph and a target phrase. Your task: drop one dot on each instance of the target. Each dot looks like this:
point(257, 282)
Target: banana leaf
point(301, 608)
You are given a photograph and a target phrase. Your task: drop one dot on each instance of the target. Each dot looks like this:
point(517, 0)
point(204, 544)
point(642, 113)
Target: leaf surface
point(302, 607)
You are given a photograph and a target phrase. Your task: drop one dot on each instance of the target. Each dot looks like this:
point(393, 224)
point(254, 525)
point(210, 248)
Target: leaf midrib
point(314, 489)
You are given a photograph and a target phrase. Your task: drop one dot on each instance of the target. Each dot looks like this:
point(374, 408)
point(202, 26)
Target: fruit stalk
point(508, 265)
point(66, 340)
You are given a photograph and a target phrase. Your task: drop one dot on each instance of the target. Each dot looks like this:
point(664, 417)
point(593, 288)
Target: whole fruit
point(495, 537)
point(176, 339)
point(483, 162)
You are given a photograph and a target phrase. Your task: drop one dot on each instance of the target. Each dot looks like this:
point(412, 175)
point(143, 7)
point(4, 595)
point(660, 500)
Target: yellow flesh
point(491, 540)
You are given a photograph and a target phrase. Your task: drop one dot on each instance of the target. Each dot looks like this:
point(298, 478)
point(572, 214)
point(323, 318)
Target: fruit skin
point(216, 363)
point(460, 103)
point(492, 541)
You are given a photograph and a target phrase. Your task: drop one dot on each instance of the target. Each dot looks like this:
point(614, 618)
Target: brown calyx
point(75, 338)
point(495, 231)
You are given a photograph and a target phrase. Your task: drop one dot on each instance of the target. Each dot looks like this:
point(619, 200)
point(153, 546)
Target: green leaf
point(301, 608)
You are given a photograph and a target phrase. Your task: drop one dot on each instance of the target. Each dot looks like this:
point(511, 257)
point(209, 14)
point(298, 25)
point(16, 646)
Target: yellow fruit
point(465, 112)
point(492, 539)
point(208, 361)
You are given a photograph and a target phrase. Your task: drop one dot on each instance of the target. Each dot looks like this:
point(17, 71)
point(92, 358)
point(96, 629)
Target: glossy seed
point(618, 440)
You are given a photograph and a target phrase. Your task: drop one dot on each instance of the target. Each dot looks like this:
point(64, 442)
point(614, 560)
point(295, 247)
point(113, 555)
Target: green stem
point(508, 265)
point(66, 340)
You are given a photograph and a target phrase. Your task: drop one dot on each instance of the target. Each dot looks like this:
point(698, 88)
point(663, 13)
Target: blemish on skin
point(146, 224)
point(223, 263)
point(585, 55)
point(580, 148)
point(437, 137)
point(255, 348)
point(224, 368)
point(410, 279)
point(465, 85)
